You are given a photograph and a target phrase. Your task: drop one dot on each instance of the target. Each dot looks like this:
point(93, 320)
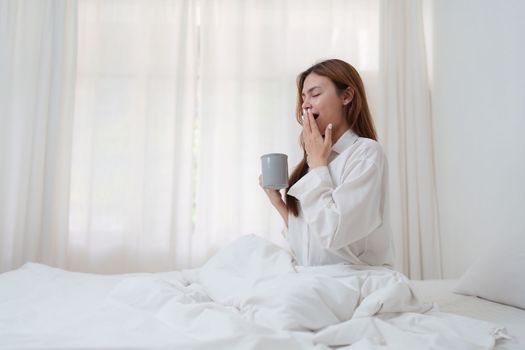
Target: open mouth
point(316, 115)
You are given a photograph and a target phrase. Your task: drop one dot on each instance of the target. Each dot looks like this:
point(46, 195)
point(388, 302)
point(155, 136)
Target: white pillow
point(498, 276)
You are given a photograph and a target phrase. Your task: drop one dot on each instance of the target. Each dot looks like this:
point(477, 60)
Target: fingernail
point(330, 126)
point(302, 117)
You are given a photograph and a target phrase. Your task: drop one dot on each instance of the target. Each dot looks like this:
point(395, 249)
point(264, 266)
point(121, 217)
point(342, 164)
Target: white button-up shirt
point(343, 208)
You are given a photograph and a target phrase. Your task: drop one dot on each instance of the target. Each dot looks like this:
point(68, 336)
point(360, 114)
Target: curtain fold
point(406, 130)
point(37, 83)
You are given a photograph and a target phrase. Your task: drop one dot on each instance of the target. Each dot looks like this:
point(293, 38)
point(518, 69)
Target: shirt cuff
point(310, 183)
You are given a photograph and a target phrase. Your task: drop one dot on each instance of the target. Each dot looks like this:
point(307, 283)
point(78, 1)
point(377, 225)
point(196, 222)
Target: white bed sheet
point(250, 295)
point(440, 292)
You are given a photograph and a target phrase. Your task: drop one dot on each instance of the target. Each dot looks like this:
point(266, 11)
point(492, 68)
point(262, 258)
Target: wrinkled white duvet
point(248, 296)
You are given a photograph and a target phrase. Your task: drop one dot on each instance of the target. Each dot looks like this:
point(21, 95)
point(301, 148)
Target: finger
point(260, 180)
point(303, 122)
point(328, 135)
point(306, 122)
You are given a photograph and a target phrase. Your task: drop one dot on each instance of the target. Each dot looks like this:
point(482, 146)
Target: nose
point(306, 104)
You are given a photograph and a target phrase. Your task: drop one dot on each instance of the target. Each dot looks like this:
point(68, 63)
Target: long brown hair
point(357, 113)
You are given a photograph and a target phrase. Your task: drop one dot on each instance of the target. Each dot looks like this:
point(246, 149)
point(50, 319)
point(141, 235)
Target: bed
point(440, 292)
point(248, 296)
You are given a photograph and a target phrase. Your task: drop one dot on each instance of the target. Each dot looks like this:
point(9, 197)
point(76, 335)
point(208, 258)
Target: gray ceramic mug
point(274, 170)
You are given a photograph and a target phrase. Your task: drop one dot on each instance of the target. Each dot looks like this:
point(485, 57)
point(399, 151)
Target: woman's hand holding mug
point(273, 194)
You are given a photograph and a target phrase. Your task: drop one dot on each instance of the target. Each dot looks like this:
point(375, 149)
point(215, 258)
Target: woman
point(336, 207)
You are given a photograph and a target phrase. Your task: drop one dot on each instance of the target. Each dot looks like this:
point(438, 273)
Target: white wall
point(478, 97)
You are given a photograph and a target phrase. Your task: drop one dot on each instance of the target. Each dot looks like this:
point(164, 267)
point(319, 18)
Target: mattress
point(441, 293)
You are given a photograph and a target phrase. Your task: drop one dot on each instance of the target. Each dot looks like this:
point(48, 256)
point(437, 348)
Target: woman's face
point(320, 95)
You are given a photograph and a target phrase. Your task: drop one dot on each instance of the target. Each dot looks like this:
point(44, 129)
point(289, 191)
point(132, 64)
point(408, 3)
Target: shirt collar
point(346, 140)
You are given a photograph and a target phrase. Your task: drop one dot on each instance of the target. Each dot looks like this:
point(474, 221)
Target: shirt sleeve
point(344, 214)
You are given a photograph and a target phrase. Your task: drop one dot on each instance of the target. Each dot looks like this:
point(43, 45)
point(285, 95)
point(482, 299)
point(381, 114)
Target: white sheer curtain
point(406, 131)
point(131, 194)
point(174, 103)
point(37, 78)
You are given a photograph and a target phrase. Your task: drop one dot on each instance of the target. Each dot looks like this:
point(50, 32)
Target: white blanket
point(248, 296)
